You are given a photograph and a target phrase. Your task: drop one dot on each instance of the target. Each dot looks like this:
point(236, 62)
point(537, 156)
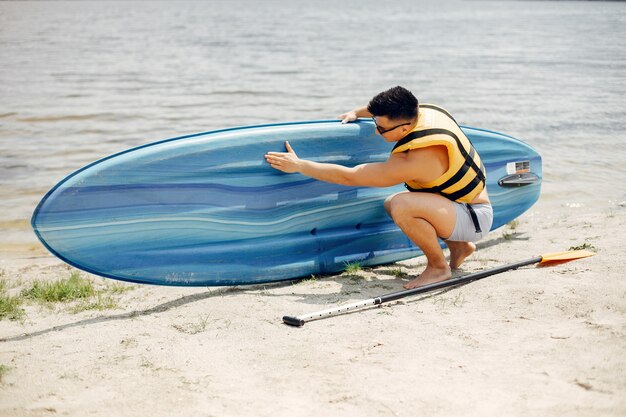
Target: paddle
point(550, 258)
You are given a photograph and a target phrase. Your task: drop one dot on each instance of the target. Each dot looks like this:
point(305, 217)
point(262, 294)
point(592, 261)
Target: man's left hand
point(284, 161)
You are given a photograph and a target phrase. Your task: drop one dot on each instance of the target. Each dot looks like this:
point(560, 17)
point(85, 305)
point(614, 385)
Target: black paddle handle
point(293, 321)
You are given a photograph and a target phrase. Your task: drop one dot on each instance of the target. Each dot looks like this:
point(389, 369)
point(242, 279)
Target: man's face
point(392, 130)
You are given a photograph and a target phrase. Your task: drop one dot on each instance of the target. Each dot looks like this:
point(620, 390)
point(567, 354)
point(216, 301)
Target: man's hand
point(350, 116)
point(284, 161)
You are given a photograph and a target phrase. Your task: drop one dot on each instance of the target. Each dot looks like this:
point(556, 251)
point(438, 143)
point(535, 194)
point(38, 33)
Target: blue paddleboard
point(206, 209)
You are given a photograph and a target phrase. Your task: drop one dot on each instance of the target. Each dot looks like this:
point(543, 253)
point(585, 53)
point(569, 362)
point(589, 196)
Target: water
point(81, 80)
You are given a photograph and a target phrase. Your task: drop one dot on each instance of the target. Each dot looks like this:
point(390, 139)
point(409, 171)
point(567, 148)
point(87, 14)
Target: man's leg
point(423, 218)
point(459, 251)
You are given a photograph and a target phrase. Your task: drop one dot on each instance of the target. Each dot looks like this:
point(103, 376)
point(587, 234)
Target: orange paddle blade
point(565, 256)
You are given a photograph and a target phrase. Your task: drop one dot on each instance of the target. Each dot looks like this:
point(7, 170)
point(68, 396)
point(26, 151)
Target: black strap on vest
point(469, 163)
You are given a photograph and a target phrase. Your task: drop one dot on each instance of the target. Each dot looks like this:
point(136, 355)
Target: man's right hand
point(352, 115)
point(348, 117)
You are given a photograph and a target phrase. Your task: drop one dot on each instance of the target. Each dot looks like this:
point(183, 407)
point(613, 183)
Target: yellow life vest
point(465, 177)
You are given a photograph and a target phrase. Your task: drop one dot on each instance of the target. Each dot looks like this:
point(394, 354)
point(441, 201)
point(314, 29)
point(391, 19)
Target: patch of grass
point(398, 273)
point(116, 288)
point(309, 280)
point(352, 267)
point(3, 371)
point(584, 246)
point(193, 328)
point(100, 302)
point(513, 224)
point(510, 232)
point(75, 289)
point(10, 306)
point(507, 236)
point(69, 289)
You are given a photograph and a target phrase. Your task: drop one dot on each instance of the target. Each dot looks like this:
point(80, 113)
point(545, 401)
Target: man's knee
point(397, 206)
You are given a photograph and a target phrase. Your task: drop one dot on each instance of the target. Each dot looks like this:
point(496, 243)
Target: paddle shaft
point(300, 320)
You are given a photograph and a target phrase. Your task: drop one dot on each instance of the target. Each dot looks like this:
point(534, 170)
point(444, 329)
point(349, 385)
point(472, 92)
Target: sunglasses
point(383, 131)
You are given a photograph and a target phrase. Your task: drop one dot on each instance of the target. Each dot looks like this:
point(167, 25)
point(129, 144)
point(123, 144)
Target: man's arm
point(395, 170)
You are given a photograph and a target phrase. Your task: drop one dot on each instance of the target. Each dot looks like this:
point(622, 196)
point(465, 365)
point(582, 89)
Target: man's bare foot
point(459, 251)
point(429, 276)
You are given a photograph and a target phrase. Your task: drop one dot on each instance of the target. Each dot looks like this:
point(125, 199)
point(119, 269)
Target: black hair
point(395, 103)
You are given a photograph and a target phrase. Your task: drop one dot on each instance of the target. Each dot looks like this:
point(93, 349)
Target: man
point(447, 197)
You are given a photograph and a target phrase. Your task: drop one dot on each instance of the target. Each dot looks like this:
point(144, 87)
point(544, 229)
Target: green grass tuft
point(194, 328)
point(3, 371)
point(352, 267)
point(99, 302)
point(116, 288)
point(69, 289)
point(75, 289)
point(311, 279)
point(513, 224)
point(584, 246)
point(398, 273)
point(10, 306)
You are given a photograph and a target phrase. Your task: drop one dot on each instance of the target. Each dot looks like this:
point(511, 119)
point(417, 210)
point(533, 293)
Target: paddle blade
point(559, 257)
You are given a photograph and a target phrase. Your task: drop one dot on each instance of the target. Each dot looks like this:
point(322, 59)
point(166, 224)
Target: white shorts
point(473, 222)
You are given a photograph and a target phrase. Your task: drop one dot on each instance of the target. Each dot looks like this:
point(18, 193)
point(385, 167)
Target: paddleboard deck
point(207, 210)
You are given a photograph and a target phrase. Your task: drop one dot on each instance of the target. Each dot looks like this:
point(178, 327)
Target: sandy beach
point(535, 341)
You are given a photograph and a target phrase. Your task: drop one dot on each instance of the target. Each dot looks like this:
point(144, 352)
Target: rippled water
point(81, 80)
